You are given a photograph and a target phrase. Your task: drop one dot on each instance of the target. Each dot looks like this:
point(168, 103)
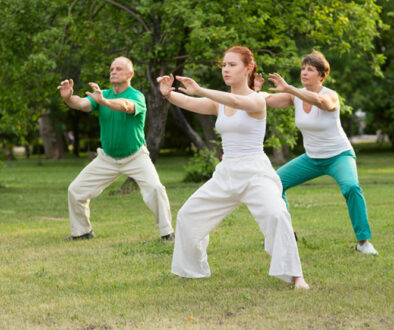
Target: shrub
point(201, 166)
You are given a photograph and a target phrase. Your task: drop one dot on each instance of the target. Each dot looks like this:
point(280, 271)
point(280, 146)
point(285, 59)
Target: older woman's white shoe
point(366, 248)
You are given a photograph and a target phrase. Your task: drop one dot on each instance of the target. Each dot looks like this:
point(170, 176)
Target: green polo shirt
point(121, 134)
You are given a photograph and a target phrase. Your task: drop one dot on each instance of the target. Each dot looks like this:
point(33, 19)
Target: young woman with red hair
point(245, 174)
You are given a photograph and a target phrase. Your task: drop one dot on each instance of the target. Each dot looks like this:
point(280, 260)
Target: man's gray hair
point(127, 60)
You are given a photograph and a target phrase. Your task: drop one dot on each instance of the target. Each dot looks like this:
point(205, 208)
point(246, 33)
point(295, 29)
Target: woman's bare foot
point(299, 283)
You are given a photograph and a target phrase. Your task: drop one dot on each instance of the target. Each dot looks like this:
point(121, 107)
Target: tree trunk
point(61, 145)
point(391, 139)
point(210, 136)
point(54, 142)
point(27, 151)
point(75, 121)
point(280, 155)
point(156, 119)
point(10, 153)
point(186, 128)
point(48, 136)
point(38, 150)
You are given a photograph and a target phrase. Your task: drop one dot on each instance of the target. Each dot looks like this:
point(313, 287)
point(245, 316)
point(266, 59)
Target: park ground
point(122, 280)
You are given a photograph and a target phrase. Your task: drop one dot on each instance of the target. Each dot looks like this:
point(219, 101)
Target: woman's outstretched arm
point(250, 103)
point(327, 101)
point(279, 100)
point(203, 105)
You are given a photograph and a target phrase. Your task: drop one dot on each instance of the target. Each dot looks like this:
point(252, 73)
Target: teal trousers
point(344, 170)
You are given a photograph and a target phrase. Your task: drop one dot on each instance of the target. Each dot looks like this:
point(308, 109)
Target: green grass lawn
point(121, 279)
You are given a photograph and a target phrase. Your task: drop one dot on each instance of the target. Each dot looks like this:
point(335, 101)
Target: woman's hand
point(280, 83)
point(165, 84)
point(258, 82)
point(191, 87)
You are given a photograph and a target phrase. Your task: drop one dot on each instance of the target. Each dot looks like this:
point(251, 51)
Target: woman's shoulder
point(328, 90)
point(260, 96)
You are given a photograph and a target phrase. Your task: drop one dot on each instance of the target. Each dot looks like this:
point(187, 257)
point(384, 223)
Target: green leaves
point(201, 166)
point(43, 41)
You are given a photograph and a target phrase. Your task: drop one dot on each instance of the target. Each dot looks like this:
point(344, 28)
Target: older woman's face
point(310, 75)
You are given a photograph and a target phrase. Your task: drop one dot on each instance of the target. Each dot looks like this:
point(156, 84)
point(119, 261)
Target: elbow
point(325, 105)
point(268, 100)
point(127, 107)
point(320, 103)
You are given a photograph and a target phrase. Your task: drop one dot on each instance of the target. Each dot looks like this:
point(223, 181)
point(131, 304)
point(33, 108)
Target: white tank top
point(321, 130)
point(241, 134)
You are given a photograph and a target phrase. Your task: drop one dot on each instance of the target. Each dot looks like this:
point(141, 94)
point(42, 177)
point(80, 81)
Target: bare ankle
point(299, 283)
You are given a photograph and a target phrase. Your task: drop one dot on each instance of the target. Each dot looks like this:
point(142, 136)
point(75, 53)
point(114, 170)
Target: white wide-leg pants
point(101, 172)
point(250, 180)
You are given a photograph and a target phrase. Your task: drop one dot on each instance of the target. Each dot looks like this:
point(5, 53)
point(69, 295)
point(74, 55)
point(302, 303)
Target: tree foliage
point(43, 42)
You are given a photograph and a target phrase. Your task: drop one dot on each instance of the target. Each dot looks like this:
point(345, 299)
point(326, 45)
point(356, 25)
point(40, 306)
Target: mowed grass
point(122, 280)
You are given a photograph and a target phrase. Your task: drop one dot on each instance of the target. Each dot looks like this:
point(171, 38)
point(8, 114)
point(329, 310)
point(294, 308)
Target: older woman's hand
point(280, 83)
point(258, 82)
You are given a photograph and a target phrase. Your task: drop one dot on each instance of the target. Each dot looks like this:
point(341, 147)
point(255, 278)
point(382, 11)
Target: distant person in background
point(121, 111)
point(328, 151)
point(245, 174)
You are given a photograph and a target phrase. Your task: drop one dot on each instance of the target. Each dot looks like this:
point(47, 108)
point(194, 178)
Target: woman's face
point(234, 70)
point(310, 76)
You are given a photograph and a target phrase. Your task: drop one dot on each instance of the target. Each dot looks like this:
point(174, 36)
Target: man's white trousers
point(101, 172)
point(250, 180)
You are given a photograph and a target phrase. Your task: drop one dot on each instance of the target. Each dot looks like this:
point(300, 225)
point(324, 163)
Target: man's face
point(120, 72)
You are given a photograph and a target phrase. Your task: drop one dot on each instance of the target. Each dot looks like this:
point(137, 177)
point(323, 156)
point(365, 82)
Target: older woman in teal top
point(327, 148)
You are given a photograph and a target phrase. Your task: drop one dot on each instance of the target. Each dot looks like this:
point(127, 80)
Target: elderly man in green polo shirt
point(121, 111)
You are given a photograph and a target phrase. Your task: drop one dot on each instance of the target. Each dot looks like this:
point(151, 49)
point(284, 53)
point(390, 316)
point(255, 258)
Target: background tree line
point(43, 42)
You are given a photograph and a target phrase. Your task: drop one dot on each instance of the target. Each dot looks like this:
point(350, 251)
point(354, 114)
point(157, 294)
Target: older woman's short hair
point(317, 60)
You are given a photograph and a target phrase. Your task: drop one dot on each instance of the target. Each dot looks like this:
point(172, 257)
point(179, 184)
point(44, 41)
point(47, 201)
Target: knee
point(273, 222)
point(350, 188)
point(191, 228)
point(285, 182)
point(188, 218)
point(72, 188)
point(154, 192)
point(155, 188)
point(277, 215)
point(285, 186)
point(183, 214)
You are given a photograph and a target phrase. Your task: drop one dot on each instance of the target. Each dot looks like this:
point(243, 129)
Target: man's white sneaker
point(366, 248)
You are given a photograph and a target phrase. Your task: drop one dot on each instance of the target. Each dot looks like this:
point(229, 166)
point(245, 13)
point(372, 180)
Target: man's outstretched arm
point(121, 104)
point(73, 101)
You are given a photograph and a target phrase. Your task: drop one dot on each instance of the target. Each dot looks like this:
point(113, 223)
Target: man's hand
point(97, 93)
point(166, 85)
point(66, 89)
